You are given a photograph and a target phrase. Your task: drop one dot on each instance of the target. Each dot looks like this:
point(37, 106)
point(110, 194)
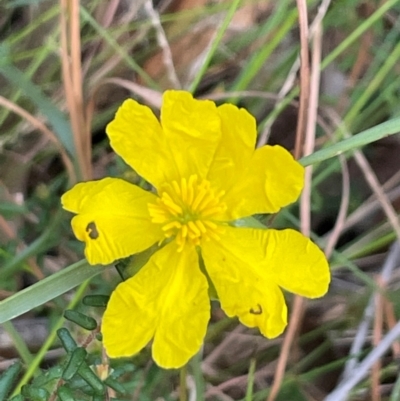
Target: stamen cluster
point(188, 210)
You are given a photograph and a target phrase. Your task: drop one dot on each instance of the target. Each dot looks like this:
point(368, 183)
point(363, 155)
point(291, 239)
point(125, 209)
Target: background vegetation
point(65, 67)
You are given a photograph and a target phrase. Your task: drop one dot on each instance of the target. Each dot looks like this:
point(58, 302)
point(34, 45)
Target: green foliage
point(8, 378)
point(40, 261)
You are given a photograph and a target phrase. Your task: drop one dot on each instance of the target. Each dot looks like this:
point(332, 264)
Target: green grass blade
point(214, 45)
point(373, 86)
point(32, 367)
point(47, 289)
point(358, 32)
point(56, 118)
point(109, 39)
point(280, 24)
point(370, 135)
point(250, 380)
point(44, 242)
point(18, 342)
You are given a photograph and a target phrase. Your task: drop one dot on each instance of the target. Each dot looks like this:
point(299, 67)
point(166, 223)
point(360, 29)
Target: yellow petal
point(136, 135)
point(247, 266)
point(300, 266)
point(167, 299)
point(129, 321)
point(235, 148)
point(272, 180)
point(193, 131)
point(113, 219)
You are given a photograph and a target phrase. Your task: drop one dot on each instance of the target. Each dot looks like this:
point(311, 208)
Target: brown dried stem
point(305, 208)
point(72, 80)
point(304, 77)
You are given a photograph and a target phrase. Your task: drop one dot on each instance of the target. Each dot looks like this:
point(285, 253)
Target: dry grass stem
point(391, 320)
point(72, 80)
point(337, 230)
point(292, 75)
point(374, 184)
point(376, 339)
point(304, 77)
point(305, 207)
point(291, 331)
point(370, 177)
point(36, 123)
point(317, 21)
point(6, 228)
point(163, 43)
point(368, 208)
point(110, 50)
point(354, 370)
point(108, 17)
point(342, 391)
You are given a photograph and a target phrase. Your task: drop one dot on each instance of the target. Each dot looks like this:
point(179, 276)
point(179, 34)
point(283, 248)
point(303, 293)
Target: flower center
point(188, 210)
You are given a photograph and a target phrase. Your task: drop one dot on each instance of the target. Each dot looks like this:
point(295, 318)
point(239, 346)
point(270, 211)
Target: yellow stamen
point(192, 182)
point(173, 224)
point(184, 231)
point(210, 224)
point(188, 210)
point(194, 228)
point(200, 226)
point(199, 198)
point(212, 210)
point(167, 200)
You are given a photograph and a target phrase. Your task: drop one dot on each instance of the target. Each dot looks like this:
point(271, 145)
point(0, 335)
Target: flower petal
point(272, 180)
point(136, 135)
point(129, 321)
point(168, 299)
point(303, 269)
point(235, 148)
point(242, 283)
point(113, 219)
point(247, 265)
point(193, 131)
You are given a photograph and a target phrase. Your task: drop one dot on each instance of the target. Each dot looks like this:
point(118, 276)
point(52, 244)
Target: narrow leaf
point(65, 394)
point(47, 289)
point(7, 379)
point(80, 319)
point(355, 142)
point(67, 341)
point(56, 118)
point(74, 363)
point(96, 300)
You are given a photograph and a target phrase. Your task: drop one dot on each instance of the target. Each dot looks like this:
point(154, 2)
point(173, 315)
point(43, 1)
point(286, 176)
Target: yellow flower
point(201, 160)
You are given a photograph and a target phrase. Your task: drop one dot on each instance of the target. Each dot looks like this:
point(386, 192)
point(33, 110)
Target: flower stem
point(182, 387)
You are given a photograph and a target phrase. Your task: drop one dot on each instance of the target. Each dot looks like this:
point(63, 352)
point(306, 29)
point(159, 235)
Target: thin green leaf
point(109, 39)
point(277, 27)
point(31, 369)
point(75, 361)
point(44, 242)
point(65, 394)
point(355, 142)
point(47, 289)
point(214, 45)
point(358, 32)
point(18, 342)
point(7, 379)
point(80, 319)
point(56, 118)
point(250, 381)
